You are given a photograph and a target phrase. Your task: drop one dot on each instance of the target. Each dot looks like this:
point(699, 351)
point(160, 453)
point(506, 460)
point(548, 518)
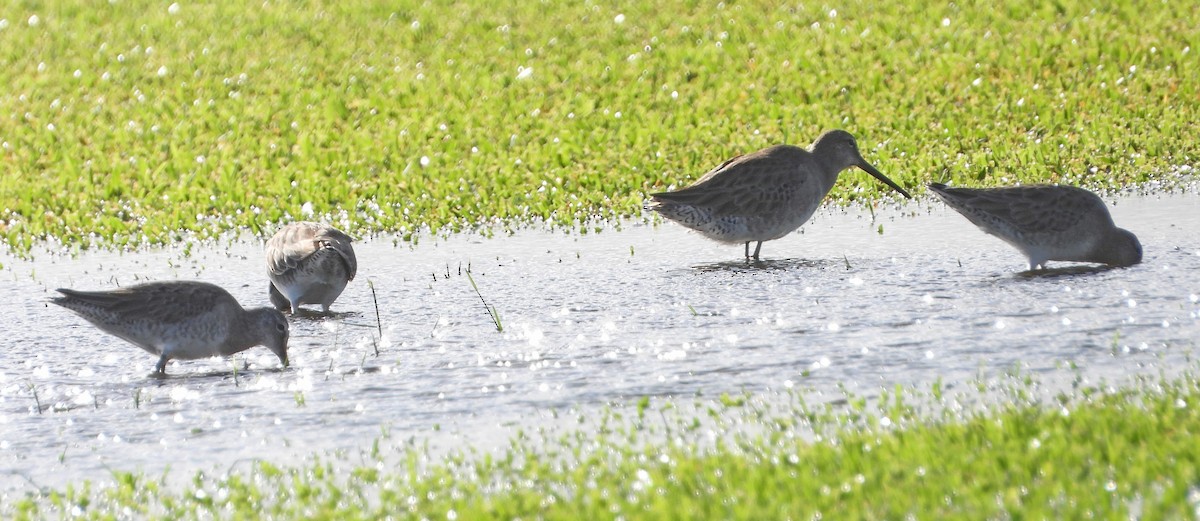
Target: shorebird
point(183, 320)
point(308, 263)
point(1046, 223)
point(764, 195)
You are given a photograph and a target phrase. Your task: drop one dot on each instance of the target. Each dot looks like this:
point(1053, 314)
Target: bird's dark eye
point(282, 328)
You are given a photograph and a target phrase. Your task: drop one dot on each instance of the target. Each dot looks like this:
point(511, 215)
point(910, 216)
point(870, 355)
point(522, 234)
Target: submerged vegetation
point(1131, 454)
point(138, 122)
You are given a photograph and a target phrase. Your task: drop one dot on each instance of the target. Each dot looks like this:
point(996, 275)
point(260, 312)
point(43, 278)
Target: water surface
point(907, 296)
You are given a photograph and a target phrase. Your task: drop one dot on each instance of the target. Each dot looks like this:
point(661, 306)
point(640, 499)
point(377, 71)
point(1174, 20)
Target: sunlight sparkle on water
point(180, 393)
point(739, 338)
point(84, 398)
point(672, 355)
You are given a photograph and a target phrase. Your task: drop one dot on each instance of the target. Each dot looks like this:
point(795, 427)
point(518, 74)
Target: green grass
point(1116, 456)
point(123, 124)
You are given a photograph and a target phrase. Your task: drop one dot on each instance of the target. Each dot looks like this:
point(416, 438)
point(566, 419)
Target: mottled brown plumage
point(766, 194)
point(1059, 223)
point(182, 320)
point(309, 263)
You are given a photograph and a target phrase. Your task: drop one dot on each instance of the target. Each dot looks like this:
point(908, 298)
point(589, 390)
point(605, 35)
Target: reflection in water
point(749, 266)
point(235, 370)
point(317, 315)
point(1066, 271)
point(588, 320)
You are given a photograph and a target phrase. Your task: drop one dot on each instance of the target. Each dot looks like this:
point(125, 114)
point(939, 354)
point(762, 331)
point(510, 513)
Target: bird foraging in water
point(764, 195)
point(183, 320)
point(308, 263)
point(1046, 223)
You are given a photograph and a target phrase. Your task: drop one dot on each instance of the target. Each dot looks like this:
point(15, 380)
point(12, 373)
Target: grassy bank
point(1125, 455)
point(134, 122)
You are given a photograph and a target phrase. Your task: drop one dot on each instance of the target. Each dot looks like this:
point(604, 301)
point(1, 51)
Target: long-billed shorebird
point(764, 195)
point(309, 263)
point(1046, 223)
point(183, 320)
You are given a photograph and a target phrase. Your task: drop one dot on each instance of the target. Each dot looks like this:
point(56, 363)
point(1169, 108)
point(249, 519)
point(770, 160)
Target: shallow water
point(588, 320)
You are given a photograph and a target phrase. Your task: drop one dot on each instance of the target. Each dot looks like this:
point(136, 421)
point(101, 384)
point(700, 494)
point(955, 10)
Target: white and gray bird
point(309, 263)
point(1046, 223)
point(767, 194)
point(183, 320)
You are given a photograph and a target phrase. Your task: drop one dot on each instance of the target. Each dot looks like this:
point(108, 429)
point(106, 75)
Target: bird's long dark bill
point(871, 170)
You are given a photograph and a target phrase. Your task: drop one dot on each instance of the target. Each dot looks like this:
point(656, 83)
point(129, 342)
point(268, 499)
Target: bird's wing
point(339, 242)
point(169, 302)
point(1031, 208)
point(291, 245)
point(298, 241)
point(755, 177)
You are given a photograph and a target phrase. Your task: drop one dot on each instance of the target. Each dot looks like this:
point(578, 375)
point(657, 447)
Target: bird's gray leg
point(756, 249)
point(161, 368)
point(747, 250)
